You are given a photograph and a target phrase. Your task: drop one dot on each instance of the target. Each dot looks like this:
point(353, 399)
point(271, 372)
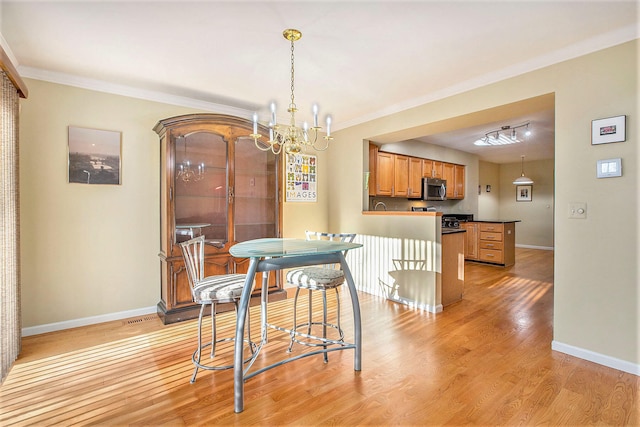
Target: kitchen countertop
point(396, 213)
point(500, 221)
point(453, 230)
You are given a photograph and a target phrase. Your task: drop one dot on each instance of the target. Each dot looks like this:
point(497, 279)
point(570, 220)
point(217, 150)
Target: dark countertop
point(500, 221)
point(453, 230)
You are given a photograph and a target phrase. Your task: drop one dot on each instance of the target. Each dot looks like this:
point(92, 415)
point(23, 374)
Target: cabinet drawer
point(497, 246)
point(491, 255)
point(492, 227)
point(487, 235)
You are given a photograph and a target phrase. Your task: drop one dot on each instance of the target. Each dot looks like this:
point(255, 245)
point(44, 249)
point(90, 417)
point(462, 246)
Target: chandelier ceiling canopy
point(291, 137)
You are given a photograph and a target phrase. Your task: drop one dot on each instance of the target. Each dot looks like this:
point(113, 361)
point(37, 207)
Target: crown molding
point(131, 92)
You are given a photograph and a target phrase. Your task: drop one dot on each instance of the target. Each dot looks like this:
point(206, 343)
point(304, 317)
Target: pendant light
point(523, 180)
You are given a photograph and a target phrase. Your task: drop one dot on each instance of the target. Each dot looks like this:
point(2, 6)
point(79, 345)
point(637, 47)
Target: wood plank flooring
point(486, 360)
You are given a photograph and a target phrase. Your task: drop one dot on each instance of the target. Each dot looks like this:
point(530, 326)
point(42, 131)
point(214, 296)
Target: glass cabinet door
point(201, 187)
point(255, 203)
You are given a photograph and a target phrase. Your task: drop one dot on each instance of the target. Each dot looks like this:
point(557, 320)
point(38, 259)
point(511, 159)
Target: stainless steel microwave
point(434, 189)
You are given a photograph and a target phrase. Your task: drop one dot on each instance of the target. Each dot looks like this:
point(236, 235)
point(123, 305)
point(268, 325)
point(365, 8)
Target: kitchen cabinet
point(400, 176)
point(455, 176)
point(373, 161)
point(397, 175)
point(437, 170)
point(384, 174)
point(232, 196)
point(459, 175)
point(494, 242)
point(415, 178)
point(432, 168)
point(471, 240)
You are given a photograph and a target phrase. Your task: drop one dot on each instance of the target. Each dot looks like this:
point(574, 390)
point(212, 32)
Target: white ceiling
point(358, 60)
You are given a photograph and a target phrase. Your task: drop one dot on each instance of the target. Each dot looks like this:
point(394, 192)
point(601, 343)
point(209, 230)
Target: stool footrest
point(252, 347)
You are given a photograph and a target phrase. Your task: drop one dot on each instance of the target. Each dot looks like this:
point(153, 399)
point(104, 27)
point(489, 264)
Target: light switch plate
point(609, 168)
point(577, 210)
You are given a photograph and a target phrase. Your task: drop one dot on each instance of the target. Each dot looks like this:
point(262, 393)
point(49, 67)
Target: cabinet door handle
point(230, 194)
point(489, 245)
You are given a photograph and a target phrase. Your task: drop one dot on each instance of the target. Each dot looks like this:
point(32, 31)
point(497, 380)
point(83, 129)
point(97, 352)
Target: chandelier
point(186, 172)
point(504, 136)
point(291, 137)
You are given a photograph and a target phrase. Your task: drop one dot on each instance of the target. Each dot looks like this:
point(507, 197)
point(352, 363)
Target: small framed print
point(523, 193)
point(94, 156)
point(612, 129)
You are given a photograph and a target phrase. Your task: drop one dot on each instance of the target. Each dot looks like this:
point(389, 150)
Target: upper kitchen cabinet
point(455, 176)
point(400, 176)
point(415, 178)
point(373, 166)
point(395, 175)
point(384, 174)
point(459, 174)
point(213, 182)
point(438, 170)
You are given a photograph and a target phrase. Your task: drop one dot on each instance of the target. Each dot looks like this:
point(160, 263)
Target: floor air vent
point(139, 320)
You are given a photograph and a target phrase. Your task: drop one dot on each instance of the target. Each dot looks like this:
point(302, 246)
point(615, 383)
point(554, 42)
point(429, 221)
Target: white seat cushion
point(219, 288)
point(316, 277)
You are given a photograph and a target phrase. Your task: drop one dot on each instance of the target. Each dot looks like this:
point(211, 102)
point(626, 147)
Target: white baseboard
point(600, 359)
point(74, 323)
point(544, 248)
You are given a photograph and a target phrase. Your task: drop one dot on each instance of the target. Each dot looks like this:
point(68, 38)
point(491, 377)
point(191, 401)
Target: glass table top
point(288, 247)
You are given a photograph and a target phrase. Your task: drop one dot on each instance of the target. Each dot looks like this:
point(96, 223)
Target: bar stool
point(210, 291)
point(318, 278)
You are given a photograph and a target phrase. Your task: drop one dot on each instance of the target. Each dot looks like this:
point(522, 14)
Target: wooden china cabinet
point(214, 182)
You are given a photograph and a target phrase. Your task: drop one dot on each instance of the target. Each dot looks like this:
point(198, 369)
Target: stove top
point(454, 220)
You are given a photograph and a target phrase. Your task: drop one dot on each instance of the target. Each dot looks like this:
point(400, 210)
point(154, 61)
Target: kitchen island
point(491, 241)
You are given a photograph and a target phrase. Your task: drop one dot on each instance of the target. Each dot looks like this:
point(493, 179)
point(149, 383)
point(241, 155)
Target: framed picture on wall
point(94, 156)
point(612, 129)
point(524, 193)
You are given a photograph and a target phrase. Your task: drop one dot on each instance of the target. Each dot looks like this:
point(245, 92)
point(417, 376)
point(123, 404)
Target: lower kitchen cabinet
point(494, 242)
point(452, 267)
point(471, 240)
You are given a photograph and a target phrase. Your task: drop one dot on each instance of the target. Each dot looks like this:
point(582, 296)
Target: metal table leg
point(238, 365)
point(355, 303)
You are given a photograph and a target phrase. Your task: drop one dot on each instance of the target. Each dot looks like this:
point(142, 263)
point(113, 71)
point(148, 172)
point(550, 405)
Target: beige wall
point(89, 251)
point(489, 202)
point(596, 269)
point(536, 228)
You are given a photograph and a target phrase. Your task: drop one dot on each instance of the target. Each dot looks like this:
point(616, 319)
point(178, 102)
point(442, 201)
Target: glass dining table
point(274, 254)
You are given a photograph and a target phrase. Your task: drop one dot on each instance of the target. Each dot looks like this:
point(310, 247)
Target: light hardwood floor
point(486, 360)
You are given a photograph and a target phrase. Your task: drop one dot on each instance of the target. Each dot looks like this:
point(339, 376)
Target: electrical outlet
point(577, 210)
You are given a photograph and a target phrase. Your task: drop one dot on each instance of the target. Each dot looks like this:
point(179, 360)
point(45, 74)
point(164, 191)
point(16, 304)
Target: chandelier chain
point(293, 103)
